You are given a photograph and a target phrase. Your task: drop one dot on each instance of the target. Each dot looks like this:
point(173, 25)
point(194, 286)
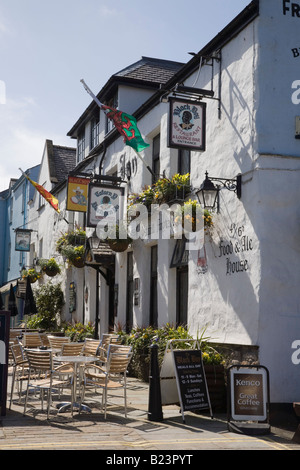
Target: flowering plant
point(164, 190)
point(72, 245)
point(72, 237)
point(79, 332)
point(189, 215)
point(142, 338)
point(32, 274)
point(49, 266)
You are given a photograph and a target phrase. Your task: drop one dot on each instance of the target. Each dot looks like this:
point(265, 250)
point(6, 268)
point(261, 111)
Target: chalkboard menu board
point(4, 345)
point(191, 380)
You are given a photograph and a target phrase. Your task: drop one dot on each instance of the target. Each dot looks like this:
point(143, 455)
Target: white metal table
point(76, 361)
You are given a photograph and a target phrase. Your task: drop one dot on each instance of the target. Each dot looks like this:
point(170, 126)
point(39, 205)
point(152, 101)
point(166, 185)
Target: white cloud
point(21, 146)
point(4, 25)
point(107, 12)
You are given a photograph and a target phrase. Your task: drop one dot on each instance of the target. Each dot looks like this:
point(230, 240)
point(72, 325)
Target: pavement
point(135, 437)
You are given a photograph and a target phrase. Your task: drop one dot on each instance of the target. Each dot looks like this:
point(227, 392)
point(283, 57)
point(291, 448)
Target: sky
point(47, 47)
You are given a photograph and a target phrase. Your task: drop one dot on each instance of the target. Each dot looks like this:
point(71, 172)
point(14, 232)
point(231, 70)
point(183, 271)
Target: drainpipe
point(101, 161)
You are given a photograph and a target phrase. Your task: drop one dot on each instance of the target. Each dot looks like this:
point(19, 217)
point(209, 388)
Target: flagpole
point(91, 93)
point(148, 167)
point(100, 105)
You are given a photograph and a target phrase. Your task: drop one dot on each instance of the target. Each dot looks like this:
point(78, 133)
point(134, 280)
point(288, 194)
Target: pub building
point(230, 117)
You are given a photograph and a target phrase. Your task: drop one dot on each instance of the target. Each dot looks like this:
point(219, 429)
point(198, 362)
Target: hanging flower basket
point(78, 263)
point(49, 266)
point(118, 245)
point(189, 214)
point(116, 240)
point(71, 245)
point(75, 237)
point(32, 274)
point(165, 190)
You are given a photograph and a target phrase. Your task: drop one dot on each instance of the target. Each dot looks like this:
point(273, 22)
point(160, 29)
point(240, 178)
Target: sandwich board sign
point(4, 345)
point(183, 378)
point(249, 399)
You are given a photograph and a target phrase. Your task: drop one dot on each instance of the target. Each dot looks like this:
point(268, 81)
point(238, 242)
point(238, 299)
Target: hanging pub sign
point(187, 122)
point(104, 202)
point(77, 194)
point(22, 240)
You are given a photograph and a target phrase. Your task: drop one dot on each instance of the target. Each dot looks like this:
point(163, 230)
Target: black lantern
point(208, 193)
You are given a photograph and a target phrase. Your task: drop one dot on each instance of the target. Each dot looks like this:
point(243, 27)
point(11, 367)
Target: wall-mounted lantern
point(208, 193)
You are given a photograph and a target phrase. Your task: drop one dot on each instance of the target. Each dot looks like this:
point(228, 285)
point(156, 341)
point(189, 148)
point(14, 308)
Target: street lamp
point(208, 193)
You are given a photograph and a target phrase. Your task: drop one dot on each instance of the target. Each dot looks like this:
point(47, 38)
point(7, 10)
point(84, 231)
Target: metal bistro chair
point(112, 377)
point(56, 342)
point(91, 347)
point(31, 340)
point(20, 369)
point(71, 349)
point(40, 362)
point(14, 336)
point(45, 340)
point(106, 341)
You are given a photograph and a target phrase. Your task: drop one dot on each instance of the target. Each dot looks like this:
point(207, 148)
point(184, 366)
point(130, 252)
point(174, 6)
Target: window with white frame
point(95, 131)
point(80, 147)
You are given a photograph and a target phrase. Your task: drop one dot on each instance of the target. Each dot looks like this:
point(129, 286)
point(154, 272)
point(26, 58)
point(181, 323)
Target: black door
point(130, 291)
point(182, 295)
point(153, 288)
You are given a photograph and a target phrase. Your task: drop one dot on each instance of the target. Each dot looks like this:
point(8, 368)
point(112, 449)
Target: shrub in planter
point(142, 338)
point(49, 300)
point(78, 332)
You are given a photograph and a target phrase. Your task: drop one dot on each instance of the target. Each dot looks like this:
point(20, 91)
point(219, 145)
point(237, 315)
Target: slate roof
point(150, 70)
point(147, 73)
point(62, 160)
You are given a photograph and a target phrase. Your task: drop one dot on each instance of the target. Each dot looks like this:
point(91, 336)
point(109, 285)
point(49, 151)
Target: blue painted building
point(14, 215)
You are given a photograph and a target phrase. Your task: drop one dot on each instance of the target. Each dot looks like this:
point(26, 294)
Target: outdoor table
point(75, 360)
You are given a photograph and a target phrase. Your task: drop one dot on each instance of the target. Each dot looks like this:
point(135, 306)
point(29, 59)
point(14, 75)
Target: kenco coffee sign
point(187, 124)
point(249, 393)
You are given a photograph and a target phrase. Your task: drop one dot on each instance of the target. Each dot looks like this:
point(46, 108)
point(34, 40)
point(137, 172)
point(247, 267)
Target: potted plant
point(75, 255)
point(71, 245)
point(32, 274)
point(118, 238)
point(49, 266)
point(165, 190)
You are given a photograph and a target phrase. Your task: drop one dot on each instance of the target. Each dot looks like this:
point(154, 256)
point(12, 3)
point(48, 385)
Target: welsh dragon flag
point(127, 126)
